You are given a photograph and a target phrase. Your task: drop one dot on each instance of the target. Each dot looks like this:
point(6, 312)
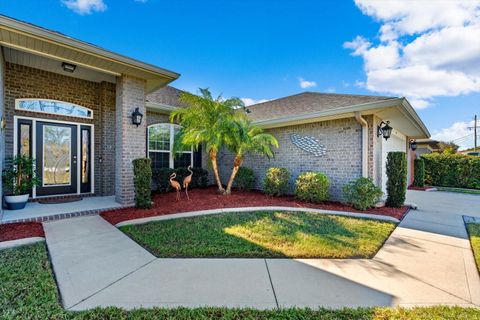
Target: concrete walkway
point(427, 260)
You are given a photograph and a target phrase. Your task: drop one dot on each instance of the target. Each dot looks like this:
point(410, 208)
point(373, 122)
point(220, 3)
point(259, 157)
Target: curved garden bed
point(205, 199)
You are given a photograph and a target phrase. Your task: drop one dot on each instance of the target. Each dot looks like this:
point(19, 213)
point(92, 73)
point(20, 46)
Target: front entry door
point(56, 157)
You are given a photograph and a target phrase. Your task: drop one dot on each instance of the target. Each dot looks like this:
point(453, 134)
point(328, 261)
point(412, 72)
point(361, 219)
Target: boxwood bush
point(418, 173)
point(161, 178)
point(396, 179)
point(142, 180)
point(276, 181)
point(362, 193)
point(452, 170)
point(312, 187)
point(245, 179)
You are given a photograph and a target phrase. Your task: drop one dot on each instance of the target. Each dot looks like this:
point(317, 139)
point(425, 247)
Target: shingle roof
point(306, 103)
point(167, 95)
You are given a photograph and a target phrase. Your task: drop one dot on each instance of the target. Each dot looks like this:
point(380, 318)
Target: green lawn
point(263, 234)
point(458, 190)
point(474, 233)
point(28, 291)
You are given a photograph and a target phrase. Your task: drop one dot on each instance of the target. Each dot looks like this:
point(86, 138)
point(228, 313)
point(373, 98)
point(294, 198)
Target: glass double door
point(62, 153)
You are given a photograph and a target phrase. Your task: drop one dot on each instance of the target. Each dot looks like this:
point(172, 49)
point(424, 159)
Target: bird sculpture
point(187, 180)
point(175, 185)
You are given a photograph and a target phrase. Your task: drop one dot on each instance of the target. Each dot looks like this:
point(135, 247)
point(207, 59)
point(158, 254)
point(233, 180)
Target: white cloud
point(250, 101)
point(304, 84)
point(458, 132)
point(331, 90)
point(425, 49)
point(85, 6)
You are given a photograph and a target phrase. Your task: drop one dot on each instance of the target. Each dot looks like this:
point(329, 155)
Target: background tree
point(205, 120)
point(244, 137)
point(447, 147)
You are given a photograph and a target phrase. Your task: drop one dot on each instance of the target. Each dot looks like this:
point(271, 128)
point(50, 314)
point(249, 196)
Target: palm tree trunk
point(236, 165)
point(213, 159)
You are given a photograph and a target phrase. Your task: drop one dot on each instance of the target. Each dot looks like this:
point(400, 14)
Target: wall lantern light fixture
point(413, 145)
point(137, 117)
point(384, 129)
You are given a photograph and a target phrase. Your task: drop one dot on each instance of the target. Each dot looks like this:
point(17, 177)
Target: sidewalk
point(427, 260)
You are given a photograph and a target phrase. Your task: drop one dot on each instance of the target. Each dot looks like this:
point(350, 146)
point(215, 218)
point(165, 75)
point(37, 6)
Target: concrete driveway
point(426, 261)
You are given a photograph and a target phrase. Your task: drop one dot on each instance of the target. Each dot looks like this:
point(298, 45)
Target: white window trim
point(18, 101)
point(34, 149)
point(171, 160)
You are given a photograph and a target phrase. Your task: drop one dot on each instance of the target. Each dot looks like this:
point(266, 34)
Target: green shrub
point(245, 179)
point(452, 170)
point(20, 176)
point(362, 193)
point(161, 178)
point(419, 172)
point(142, 180)
point(276, 181)
point(396, 179)
point(312, 187)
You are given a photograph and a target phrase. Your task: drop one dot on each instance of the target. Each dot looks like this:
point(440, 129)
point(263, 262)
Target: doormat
point(59, 200)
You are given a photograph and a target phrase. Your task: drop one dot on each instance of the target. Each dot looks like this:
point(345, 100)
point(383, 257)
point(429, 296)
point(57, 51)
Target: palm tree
point(245, 137)
point(205, 121)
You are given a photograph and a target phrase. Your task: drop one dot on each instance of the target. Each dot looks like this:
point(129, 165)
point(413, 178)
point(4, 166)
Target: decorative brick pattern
point(61, 216)
point(341, 163)
point(27, 82)
point(130, 139)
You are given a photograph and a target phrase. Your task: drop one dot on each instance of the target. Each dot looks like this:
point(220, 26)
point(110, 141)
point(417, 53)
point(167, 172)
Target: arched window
point(160, 140)
point(53, 107)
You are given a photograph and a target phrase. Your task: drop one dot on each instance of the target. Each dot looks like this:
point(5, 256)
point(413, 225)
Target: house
point(70, 105)
point(426, 146)
point(338, 134)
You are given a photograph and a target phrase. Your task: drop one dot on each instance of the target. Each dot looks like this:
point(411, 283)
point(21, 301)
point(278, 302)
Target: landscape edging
point(19, 242)
point(250, 209)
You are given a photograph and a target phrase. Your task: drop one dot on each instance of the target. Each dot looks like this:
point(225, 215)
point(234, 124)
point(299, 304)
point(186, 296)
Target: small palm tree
point(245, 137)
point(205, 121)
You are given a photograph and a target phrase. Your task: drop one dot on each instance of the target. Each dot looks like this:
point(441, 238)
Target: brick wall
point(27, 82)
point(342, 162)
point(157, 117)
point(130, 139)
point(2, 110)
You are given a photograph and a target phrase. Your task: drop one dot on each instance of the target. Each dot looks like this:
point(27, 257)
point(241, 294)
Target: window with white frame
point(53, 107)
point(161, 138)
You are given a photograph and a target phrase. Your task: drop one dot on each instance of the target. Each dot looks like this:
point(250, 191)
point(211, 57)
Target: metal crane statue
point(175, 185)
point(187, 180)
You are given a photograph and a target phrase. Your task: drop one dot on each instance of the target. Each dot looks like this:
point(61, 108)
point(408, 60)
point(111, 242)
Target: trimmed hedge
point(312, 187)
point(362, 193)
point(142, 180)
point(418, 172)
point(452, 170)
point(397, 179)
point(276, 181)
point(161, 178)
point(245, 179)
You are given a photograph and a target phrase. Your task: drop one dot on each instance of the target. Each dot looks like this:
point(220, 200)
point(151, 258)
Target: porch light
point(413, 145)
point(68, 67)
point(137, 117)
point(384, 130)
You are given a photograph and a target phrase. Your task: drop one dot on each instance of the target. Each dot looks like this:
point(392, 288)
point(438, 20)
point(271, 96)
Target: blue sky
point(267, 49)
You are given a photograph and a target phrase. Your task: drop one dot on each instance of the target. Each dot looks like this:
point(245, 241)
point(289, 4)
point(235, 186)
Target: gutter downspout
point(364, 124)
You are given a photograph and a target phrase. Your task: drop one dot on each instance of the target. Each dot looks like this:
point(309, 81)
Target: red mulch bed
point(204, 199)
point(20, 230)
